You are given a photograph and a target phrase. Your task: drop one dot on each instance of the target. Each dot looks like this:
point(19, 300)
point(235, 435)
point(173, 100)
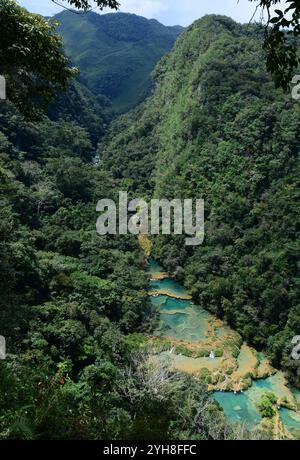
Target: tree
point(266, 405)
point(31, 58)
point(87, 4)
point(280, 42)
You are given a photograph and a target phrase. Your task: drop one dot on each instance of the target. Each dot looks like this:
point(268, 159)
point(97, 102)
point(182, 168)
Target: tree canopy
point(31, 55)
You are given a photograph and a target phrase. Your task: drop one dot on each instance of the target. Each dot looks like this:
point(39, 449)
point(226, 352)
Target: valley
point(114, 337)
point(116, 53)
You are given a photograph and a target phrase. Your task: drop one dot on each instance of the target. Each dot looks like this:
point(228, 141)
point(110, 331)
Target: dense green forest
point(216, 128)
point(74, 307)
point(116, 53)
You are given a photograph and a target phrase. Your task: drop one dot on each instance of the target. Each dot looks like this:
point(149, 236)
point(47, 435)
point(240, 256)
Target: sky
point(168, 12)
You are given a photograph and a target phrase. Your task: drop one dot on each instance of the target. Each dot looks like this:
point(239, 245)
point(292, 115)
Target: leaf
point(280, 13)
point(274, 20)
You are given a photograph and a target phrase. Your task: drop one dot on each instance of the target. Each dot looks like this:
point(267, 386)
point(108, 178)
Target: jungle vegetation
point(217, 128)
point(74, 307)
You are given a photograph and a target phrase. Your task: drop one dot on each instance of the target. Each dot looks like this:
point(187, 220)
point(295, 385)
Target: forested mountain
point(116, 53)
point(217, 129)
point(74, 308)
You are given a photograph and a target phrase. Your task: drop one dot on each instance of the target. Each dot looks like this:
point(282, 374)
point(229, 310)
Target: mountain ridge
point(116, 52)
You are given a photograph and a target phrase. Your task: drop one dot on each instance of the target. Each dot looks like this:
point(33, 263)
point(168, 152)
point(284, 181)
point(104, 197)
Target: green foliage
point(74, 305)
point(87, 5)
point(116, 53)
point(181, 349)
point(219, 352)
point(80, 107)
point(68, 297)
point(266, 405)
point(216, 128)
point(205, 375)
point(282, 28)
point(31, 58)
point(139, 401)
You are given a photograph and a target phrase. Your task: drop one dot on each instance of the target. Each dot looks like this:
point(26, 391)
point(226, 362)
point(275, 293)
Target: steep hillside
point(79, 105)
point(217, 129)
point(116, 53)
point(74, 306)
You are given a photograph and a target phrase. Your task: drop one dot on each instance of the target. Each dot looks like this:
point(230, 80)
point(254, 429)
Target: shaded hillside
point(217, 129)
point(116, 53)
point(79, 105)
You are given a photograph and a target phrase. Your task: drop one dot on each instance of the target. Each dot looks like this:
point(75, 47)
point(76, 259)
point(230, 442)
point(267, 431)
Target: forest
point(239, 153)
point(74, 306)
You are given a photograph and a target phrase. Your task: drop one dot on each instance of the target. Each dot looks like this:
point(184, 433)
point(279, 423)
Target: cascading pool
point(182, 320)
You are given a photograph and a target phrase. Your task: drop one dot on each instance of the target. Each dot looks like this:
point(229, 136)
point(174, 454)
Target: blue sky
point(169, 12)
